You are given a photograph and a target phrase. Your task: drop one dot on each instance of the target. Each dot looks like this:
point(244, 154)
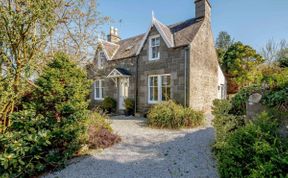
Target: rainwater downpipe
point(185, 75)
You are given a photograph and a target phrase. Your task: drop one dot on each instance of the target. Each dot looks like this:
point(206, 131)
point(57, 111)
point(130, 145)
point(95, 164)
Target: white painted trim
point(163, 34)
point(150, 48)
point(159, 80)
point(100, 90)
point(154, 23)
point(105, 51)
point(119, 73)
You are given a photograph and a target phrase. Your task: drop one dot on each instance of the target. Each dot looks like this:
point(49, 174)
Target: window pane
point(155, 81)
point(153, 88)
point(97, 83)
point(153, 42)
point(97, 93)
point(102, 93)
point(166, 93)
point(166, 87)
point(157, 41)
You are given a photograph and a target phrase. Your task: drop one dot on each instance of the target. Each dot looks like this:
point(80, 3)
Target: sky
point(252, 22)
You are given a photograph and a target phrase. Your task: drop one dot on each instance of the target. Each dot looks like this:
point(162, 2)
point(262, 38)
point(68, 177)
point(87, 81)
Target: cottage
point(177, 62)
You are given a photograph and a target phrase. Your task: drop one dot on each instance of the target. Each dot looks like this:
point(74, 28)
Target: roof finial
point(153, 16)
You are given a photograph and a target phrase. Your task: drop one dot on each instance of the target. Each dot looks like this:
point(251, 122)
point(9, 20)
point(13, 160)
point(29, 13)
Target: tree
point(31, 31)
point(283, 58)
point(223, 42)
point(239, 64)
point(273, 50)
point(80, 30)
point(24, 28)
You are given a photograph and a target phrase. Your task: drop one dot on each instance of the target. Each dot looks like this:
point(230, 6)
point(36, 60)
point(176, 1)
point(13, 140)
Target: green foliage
point(240, 99)
point(109, 104)
point(129, 106)
point(255, 150)
point(63, 90)
point(224, 122)
point(283, 57)
point(50, 128)
point(239, 62)
point(277, 95)
point(170, 115)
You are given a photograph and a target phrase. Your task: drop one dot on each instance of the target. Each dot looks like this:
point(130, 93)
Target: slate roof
point(179, 34)
point(123, 71)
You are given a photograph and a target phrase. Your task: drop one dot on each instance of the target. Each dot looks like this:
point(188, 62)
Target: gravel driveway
point(146, 152)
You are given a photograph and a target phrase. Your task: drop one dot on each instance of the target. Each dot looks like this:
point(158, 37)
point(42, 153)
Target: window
point(154, 46)
point(159, 88)
point(98, 90)
point(101, 59)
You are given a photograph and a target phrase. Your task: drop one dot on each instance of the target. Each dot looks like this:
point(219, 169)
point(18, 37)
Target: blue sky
point(253, 22)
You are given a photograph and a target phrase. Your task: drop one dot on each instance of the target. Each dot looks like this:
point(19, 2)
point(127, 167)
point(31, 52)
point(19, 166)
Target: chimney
point(203, 9)
point(113, 37)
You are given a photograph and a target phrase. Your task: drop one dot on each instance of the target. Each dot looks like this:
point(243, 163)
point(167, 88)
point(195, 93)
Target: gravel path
point(146, 152)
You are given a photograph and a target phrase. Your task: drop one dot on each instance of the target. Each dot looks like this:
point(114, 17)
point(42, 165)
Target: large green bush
point(255, 150)
point(224, 122)
point(170, 115)
point(50, 128)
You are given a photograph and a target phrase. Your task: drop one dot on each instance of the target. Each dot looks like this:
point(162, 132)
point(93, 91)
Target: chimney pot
point(113, 37)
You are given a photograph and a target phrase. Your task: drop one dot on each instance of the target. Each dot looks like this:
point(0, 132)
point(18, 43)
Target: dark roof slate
point(183, 34)
point(123, 71)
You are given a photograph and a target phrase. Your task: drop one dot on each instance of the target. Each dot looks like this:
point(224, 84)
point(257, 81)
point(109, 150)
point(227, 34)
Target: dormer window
point(154, 47)
point(101, 60)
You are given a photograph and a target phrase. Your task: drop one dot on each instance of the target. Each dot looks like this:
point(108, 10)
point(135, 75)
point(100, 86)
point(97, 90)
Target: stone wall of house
point(203, 69)
point(110, 88)
point(171, 62)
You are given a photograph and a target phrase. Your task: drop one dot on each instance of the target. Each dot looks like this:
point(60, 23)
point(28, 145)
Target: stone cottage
point(177, 62)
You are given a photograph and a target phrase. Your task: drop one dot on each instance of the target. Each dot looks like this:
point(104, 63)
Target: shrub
point(129, 106)
point(109, 104)
point(240, 99)
point(255, 150)
point(100, 132)
point(224, 122)
point(50, 128)
point(170, 115)
point(277, 95)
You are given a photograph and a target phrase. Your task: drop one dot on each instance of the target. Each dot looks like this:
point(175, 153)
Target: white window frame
point(99, 61)
point(101, 88)
point(150, 47)
point(159, 79)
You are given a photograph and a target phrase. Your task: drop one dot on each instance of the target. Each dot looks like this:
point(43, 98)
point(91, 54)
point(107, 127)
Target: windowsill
point(98, 99)
point(153, 102)
point(155, 59)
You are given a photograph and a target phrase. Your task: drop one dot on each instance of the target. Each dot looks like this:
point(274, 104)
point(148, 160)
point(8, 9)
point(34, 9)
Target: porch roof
point(119, 72)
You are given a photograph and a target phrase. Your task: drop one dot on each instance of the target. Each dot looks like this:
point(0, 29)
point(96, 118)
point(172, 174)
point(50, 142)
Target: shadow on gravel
point(186, 156)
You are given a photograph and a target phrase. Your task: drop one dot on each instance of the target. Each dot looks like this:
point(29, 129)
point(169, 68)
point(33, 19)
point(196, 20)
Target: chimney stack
point(203, 9)
point(113, 37)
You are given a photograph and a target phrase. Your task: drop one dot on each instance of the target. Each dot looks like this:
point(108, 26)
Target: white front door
point(123, 92)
